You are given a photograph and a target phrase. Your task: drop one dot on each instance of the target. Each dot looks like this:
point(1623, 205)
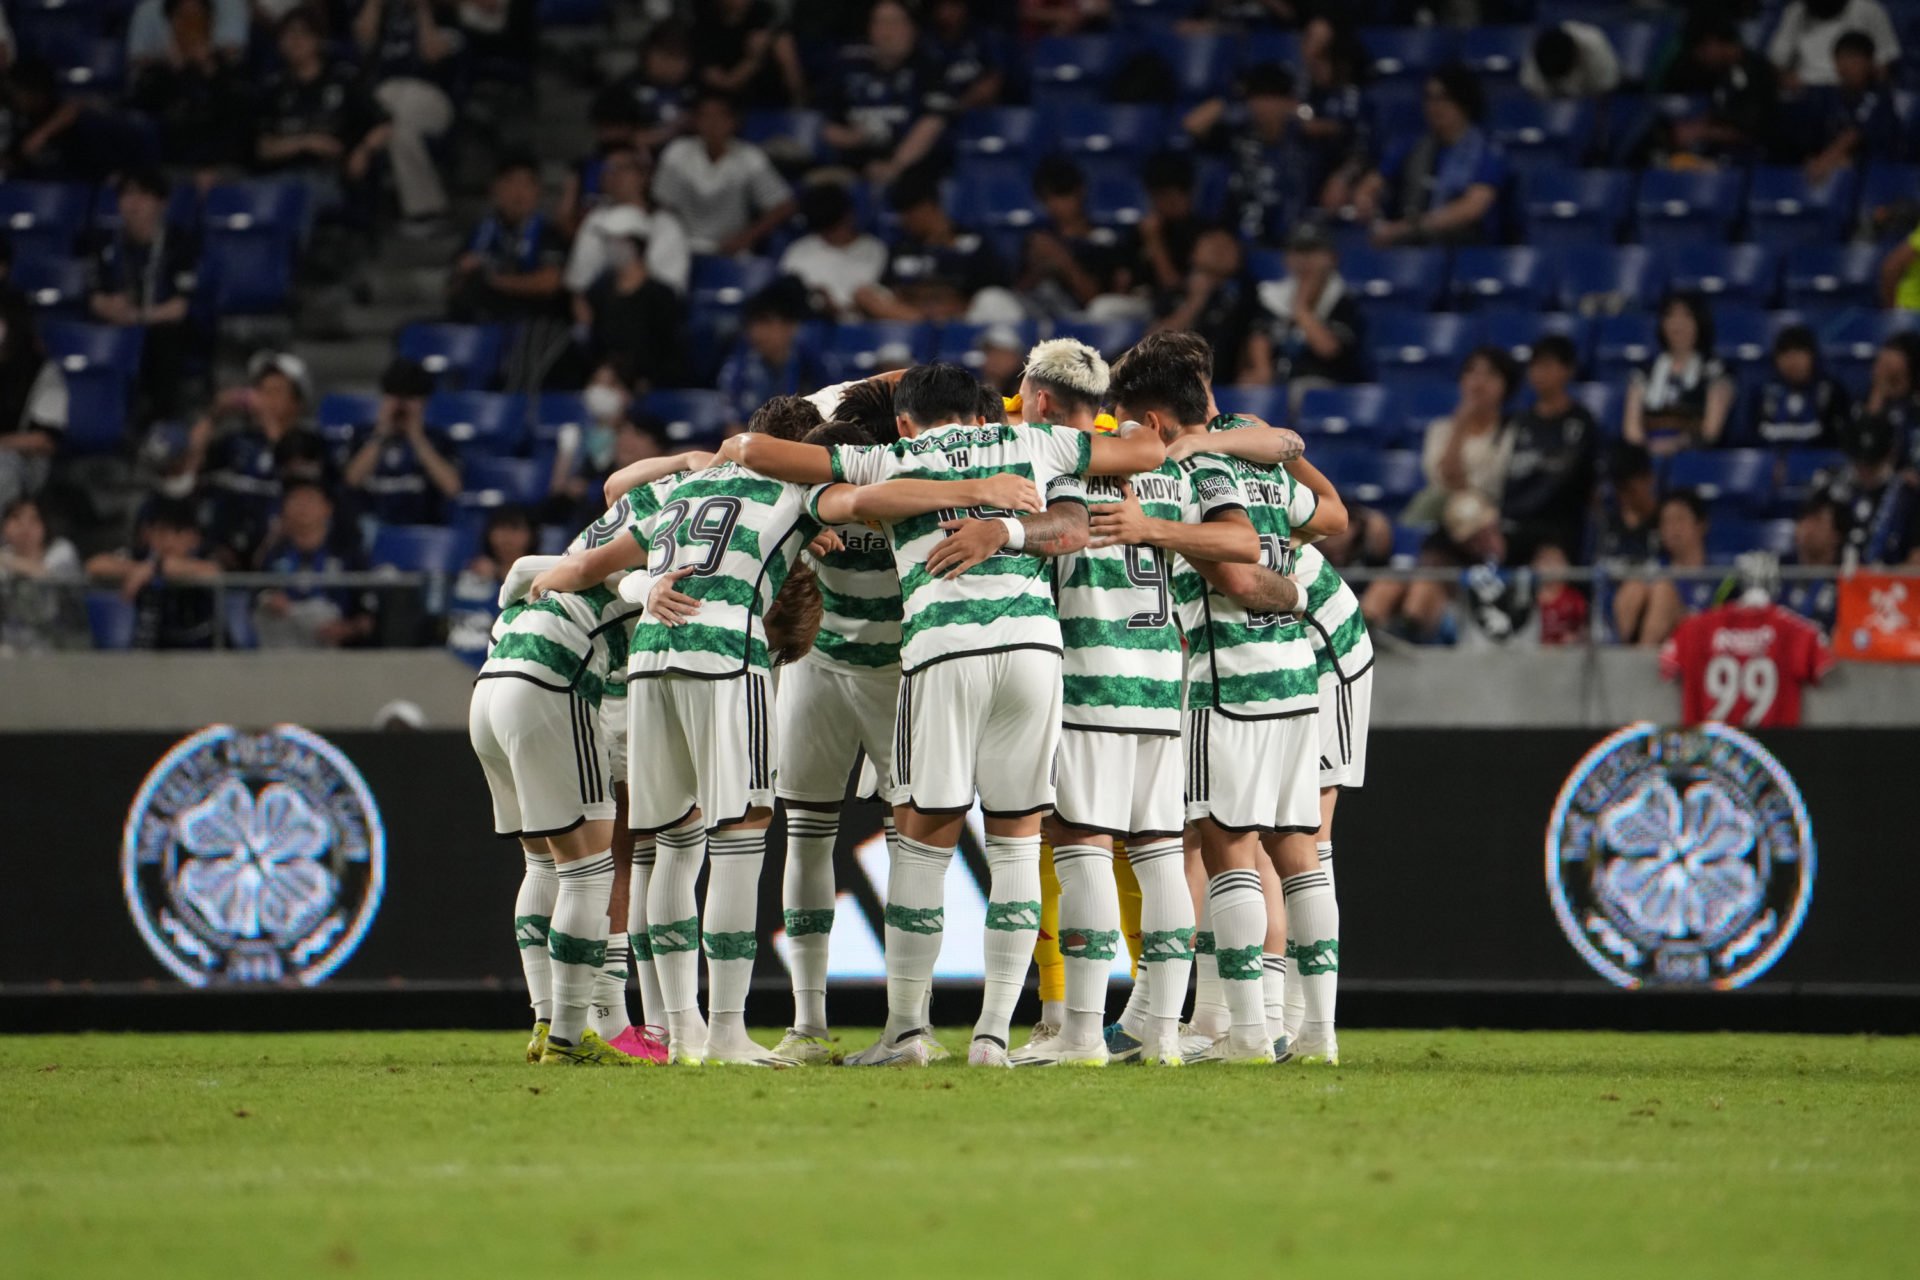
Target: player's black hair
point(1688, 498)
point(1267, 79)
point(992, 407)
point(1557, 347)
point(870, 405)
point(1182, 346)
point(839, 431)
point(785, 418)
point(825, 205)
point(1167, 170)
point(1058, 175)
point(1702, 314)
point(932, 395)
point(1858, 43)
point(1463, 89)
point(1148, 380)
point(172, 513)
point(1554, 52)
point(1796, 337)
point(148, 181)
point(1497, 360)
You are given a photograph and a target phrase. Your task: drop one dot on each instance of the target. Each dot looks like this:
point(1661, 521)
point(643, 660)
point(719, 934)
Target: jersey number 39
point(709, 528)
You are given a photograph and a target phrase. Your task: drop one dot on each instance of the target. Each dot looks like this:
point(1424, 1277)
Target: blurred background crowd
point(325, 290)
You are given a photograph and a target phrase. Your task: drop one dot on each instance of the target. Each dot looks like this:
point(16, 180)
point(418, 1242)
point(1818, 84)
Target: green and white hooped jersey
point(1251, 666)
point(572, 640)
point(1123, 668)
point(1005, 602)
point(859, 601)
point(1341, 645)
point(741, 533)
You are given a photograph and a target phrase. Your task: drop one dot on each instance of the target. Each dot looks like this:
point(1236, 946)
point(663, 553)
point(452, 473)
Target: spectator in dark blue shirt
point(242, 468)
point(1882, 523)
point(1442, 187)
point(1071, 260)
point(971, 58)
point(158, 576)
point(661, 87)
point(144, 275)
point(409, 54)
point(315, 120)
point(770, 359)
point(1335, 120)
point(888, 102)
point(1799, 404)
point(935, 271)
point(401, 473)
point(1818, 536)
point(194, 95)
point(474, 601)
point(303, 615)
point(1857, 120)
point(511, 266)
point(1275, 174)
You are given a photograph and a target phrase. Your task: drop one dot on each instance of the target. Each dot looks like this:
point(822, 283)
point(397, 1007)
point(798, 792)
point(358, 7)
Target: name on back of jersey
point(1744, 642)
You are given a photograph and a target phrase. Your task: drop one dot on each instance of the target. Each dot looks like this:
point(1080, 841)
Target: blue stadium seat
point(1608, 278)
point(492, 482)
point(1744, 335)
point(1202, 64)
point(991, 196)
point(1115, 196)
point(480, 421)
point(1801, 469)
point(1535, 134)
point(99, 402)
point(1606, 401)
point(463, 357)
point(78, 345)
point(719, 282)
point(1496, 52)
point(1421, 400)
point(241, 206)
point(1397, 277)
point(1408, 341)
point(1822, 275)
point(1636, 44)
point(1075, 62)
point(1745, 273)
point(247, 270)
point(237, 610)
point(342, 416)
point(1849, 345)
point(571, 13)
point(854, 349)
point(1396, 108)
point(1623, 343)
point(1516, 329)
point(1733, 480)
point(1687, 207)
point(1098, 129)
point(1268, 44)
point(1501, 277)
point(1383, 478)
point(1408, 541)
point(110, 619)
point(1360, 412)
point(44, 217)
point(691, 416)
point(1407, 52)
point(1580, 209)
point(1728, 536)
point(788, 132)
point(91, 64)
point(53, 283)
point(1885, 190)
point(1266, 403)
point(1785, 208)
point(415, 548)
point(996, 131)
point(955, 341)
point(1109, 337)
point(555, 410)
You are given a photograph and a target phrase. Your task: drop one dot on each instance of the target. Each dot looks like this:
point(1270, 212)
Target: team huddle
point(1118, 640)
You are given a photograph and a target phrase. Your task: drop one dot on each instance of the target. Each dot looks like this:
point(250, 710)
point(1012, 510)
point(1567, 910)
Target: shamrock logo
point(1682, 869)
point(254, 868)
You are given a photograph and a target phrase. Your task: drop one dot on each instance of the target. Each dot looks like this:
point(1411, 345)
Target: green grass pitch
point(1428, 1154)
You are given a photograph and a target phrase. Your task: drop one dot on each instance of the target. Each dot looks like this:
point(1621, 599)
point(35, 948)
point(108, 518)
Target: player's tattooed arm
point(786, 460)
point(1330, 517)
point(1060, 529)
point(894, 500)
point(1131, 449)
point(1225, 536)
point(647, 470)
point(1253, 587)
point(1274, 446)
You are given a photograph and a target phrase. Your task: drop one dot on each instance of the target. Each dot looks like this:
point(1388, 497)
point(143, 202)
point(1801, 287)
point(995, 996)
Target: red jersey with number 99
point(1744, 665)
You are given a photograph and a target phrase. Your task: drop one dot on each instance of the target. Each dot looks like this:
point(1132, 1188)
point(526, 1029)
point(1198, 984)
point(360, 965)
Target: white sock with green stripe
point(1166, 938)
point(577, 942)
point(1013, 926)
point(892, 836)
point(1089, 937)
point(1297, 993)
point(807, 902)
point(1273, 993)
point(915, 922)
point(1313, 944)
point(673, 929)
point(1209, 1001)
point(652, 1010)
point(532, 917)
point(728, 931)
point(1238, 910)
point(608, 1013)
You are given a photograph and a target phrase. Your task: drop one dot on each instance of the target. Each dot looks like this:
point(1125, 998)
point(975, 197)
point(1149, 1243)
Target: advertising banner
point(1878, 618)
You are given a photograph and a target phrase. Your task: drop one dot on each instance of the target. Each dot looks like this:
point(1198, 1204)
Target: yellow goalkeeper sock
point(1046, 951)
point(1129, 903)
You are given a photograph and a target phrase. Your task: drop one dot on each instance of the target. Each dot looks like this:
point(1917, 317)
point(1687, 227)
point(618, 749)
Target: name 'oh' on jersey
point(1005, 602)
point(1245, 665)
point(1123, 668)
point(740, 532)
point(1341, 645)
point(859, 601)
point(570, 640)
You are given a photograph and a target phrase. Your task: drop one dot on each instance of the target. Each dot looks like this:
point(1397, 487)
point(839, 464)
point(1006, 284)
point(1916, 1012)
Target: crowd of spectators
point(1622, 290)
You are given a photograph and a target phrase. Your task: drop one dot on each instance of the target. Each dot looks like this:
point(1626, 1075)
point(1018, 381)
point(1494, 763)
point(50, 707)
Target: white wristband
point(1016, 533)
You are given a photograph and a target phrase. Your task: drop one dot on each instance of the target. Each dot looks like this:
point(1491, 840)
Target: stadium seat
point(44, 217)
point(1109, 337)
point(492, 482)
point(1687, 207)
point(1849, 345)
point(1400, 277)
point(1383, 478)
point(110, 619)
point(1728, 536)
point(1360, 412)
point(555, 410)
point(1495, 52)
point(1115, 196)
point(992, 197)
point(53, 283)
point(1734, 480)
point(1075, 62)
point(1407, 52)
point(790, 134)
point(691, 416)
point(1785, 208)
point(463, 357)
point(1408, 341)
point(1396, 108)
point(1742, 273)
point(1820, 275)
point(482, 421)
point(1580, 209)
point(1636, 44)
point(1623, 343)
point(247, 270)
point(99, 403)
point(241, 206)
point(1098, 129)
point(1606, 279)
point(1267, 44)
point(343, 416)
point(1744, 335)
point(1800, 470)
point(855, 349)
point(415, 548)
point(1266, 403)
point(78, 345)
point(1421, 400)
point(571, 13)
point(236, 609)
point(1536, 134)
point(996, 131)
point(1520, 277)
point(1606, 402)
point(718, 282)
point(1202, 64)
point(96, 65)
point(1516, 329)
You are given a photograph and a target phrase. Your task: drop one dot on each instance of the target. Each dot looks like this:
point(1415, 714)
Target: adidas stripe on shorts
point(698, 744)
point(543, 756)
point(1345, 710)
point(984, 721)
point(1253, 775)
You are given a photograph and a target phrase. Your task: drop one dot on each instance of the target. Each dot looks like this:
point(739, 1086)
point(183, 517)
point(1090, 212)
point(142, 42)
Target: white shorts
point(698, 744)
point(986, 723)
point(1120, 784)
point(1253, 775)
point(1345, 710)
point(828, 715)
point(541, 751)
point(613, 734)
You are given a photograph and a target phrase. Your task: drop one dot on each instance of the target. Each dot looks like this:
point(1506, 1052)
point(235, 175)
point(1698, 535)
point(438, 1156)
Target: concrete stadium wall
point(1415, 688)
